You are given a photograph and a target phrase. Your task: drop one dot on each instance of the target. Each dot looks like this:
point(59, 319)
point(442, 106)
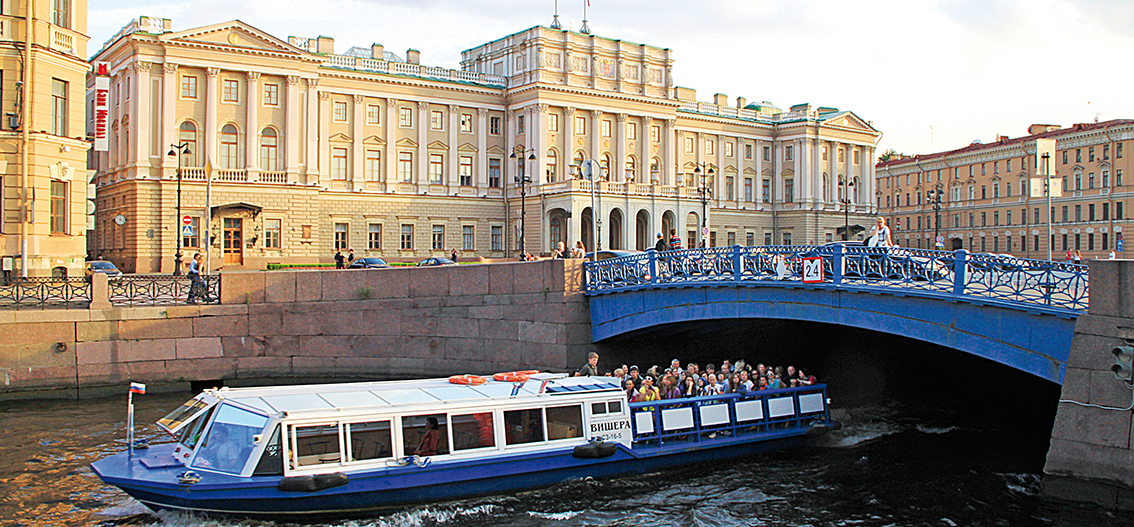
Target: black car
point(435, 261)
point(369, 262)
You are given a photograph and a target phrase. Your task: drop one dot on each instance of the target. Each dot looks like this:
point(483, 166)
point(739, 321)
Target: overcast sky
point(931, 75)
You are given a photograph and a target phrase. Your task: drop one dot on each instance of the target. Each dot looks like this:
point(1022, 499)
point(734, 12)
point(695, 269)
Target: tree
point(890, 155)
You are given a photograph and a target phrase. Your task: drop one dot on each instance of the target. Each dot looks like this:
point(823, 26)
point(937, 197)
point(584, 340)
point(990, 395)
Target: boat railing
point(697, 419)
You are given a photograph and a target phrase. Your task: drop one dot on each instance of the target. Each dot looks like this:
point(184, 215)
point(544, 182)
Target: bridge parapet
point(1039, 286)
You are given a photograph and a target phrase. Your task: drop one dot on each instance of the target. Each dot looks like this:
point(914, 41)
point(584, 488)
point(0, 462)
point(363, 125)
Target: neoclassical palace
point(294, 151)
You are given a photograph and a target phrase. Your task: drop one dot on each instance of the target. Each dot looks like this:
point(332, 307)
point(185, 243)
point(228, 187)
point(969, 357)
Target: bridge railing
point(1030, 284)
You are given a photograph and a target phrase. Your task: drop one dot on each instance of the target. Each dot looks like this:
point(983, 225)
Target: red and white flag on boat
point(137, 387)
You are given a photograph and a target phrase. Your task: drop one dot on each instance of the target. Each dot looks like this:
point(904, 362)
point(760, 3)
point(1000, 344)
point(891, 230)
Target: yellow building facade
point(313, 151)
point(988, 203)
point(44, 149)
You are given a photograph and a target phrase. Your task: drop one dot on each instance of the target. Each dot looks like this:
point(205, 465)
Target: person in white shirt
point(880, 234)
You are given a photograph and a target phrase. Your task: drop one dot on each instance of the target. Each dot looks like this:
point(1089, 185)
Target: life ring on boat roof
point(514, 376)
point(474, 380)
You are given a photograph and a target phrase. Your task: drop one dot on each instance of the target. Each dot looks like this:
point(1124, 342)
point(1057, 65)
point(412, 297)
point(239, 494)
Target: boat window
point(425, 435)
point(564, 422)
point(271, 462)
point(614, 407)
point(598, 408)
point(177, 418)
point(370, 440)
point(191, 433)
point(316, 444)
point(473, 431)
point(230, 439)
point(523, 426)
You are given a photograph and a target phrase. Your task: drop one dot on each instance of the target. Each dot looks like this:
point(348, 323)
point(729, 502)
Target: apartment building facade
point(310, 151)
point(991, 201)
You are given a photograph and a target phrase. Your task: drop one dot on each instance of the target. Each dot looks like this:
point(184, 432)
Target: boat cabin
point(316, 429)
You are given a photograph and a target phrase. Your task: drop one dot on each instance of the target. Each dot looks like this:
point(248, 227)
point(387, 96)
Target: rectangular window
point(188, 87)
point(405, 117)
point(494, 173)
point(747, 151)
point(789, 153)
point(607, 128)
point(369, 440)
point(436, 168)
point(632, 131)
point(58, 107)
point(436, 120)
point(655, 134)
point(342, 232)
point(728, 189)
point(728, 149)
point(468, 238)
point(407, 237)
point(1064, 157)
point(552, 122)
point(373, 165)
point(1118, 210)
point(767, 153)
point(1106, 151)
point(688, 145)
point(523, 426)
point(58, 207)
point(996, 217)
point(766, 191)
point(438, 237)
point(1064, 216)
point(789, 190)
point(1118, 150)
point(767, 238)
point(856, 158)
point(731, 238)
point(61, 13)
point(405, 167)
point(416, 427)
point(339, 111)
point(466, 123)
point(472, 431)
point(580, 125)
point(1105, 211)
point(373, 114)
point(710, 147)
point(748, 190)
point(271, 95)
point(497, 238)
point(231, 90)
point(338, 164)
point(466, 171)
point(1078, 155)
point(1118, 177)
point(564, 422)
point(273, 234)
point(1091, 154)
point(750, 239)
point(1078, 213)
point(1008, 217)
point(374, 236)
point(1091, 212)
point(493, 125)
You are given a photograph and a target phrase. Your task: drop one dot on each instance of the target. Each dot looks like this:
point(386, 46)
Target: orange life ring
point(511, 376)
point(468, 379)
point(528, 372)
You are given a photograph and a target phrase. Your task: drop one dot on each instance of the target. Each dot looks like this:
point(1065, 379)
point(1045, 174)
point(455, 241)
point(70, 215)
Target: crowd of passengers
point(691, 381)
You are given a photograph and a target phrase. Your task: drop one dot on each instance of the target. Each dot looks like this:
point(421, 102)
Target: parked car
point(102, 267)
point(369, 262)
point(430, 262)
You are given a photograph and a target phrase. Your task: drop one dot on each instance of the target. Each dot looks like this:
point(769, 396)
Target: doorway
point(233, 241)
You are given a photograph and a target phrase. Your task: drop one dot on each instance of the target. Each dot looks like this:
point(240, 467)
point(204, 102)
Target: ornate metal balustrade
point(1034, 285)
point(45, 292)
point(162, 289)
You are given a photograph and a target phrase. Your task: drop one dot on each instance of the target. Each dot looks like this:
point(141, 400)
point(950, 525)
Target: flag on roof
point(137, 387)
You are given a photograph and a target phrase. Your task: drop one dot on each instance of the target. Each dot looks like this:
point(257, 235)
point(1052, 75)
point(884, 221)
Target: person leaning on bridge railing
point(879, 234)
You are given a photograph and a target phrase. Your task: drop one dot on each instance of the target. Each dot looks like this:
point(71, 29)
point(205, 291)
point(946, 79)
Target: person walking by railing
point(661, 245)
point(674, 240)
point(196, 286)
point(880, 234)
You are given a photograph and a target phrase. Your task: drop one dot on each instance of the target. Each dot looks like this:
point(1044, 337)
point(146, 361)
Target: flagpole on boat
point(130, 422)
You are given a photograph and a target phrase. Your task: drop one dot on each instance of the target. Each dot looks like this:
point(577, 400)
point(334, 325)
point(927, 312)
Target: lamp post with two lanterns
point(706, 192)
point(522, 180)
point(935, 196)
point(179, 150)
point(846, 187)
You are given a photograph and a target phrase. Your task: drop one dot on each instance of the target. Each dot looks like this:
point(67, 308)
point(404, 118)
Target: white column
point(358, 151)
point(804, 177)
point(291, 129)
point(324, 144)
point(141, 116)
point(481, 148)
point(669, 161)
point(817, 170)
point(313, 153)
point(422, 146)
point(391, 128)
point(168, 125)
point(619, 168)
point(645, 155)
point(596, 137)
point(568, 143)
point(719, 191)
point(537, 132)
point(453, 180)
point(211, 102)
point(252, 126)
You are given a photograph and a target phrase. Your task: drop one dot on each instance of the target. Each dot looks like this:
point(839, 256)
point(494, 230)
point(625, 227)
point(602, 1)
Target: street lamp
point(522, 180)
point(705, 191)
point(935, 196)
point(846, 187)
point(1047, 190)
point(180, 151)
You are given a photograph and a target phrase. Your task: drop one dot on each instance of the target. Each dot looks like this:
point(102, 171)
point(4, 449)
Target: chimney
point(377, 52)
point(741, 102)
point(1001, 138)
point(720, 99)
point(325, 45)
point(413, 56)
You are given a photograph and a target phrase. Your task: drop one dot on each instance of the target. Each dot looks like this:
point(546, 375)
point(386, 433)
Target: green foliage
point(363, 293)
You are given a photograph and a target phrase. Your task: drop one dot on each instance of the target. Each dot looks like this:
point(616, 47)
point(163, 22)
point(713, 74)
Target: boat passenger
point(428, 445)
point(690, 389)
point(746, 383)
point(775, 382)
point(703, 389)
point(669, 387)
point(733, 383)
point(631, 390)
point(647, 392)
point(220, 451)
point(763, 385)
point(590, 369)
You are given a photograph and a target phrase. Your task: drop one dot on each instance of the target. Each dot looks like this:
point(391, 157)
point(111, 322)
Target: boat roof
point(390, 394)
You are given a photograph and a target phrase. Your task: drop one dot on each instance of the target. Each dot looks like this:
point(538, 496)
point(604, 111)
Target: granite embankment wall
point(372, 324)
point(1091, 456)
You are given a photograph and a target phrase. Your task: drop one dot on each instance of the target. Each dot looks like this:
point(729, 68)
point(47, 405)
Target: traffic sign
point(704, 231)
point(812, 270)
point(186, 220)
point(186, 230)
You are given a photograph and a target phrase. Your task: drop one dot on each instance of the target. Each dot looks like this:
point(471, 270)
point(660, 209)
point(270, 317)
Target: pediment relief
point(750, 171)
point(407, 142)
point(374, 140)
point(495, 149)
point(766, 172)
point(849, 120)
point(438, 145)
point(730, 168)
point(340, 138)
point(467, 147)
point(1077, 167)
point(235, 34)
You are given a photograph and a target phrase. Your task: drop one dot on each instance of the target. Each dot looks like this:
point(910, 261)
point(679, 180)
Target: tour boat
point(353, 449)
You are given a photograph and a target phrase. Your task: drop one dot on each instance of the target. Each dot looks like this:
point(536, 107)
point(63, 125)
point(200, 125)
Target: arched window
point(269, 159)
point(187, 135)
point(577, 164)
point(552, 165)
point(655, 170)
point(826, 187)
point(859, 191)
point(631, 168)
point(229, 153)
point(604, 166)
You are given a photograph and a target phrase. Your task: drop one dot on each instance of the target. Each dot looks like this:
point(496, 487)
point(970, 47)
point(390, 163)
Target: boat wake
point(867, 424)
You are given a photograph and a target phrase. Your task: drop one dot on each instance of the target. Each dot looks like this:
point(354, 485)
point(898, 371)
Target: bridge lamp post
point(934, 196)
point(522, 180)
point(845, 188)
point(706, 192)
point(1047, 192)
point(180, 150)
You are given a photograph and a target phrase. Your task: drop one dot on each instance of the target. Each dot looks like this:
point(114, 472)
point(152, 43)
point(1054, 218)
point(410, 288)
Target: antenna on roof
point(555, 19)
point(586, 30)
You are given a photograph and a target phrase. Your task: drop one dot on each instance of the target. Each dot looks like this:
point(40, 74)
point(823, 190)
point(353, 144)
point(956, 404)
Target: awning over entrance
point(854, 229)
point(238, 207)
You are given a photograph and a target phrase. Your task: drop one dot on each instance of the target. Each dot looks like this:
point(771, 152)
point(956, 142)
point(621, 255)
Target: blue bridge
point(1014, 311)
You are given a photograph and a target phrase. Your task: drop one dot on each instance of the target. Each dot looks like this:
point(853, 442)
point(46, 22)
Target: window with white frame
point(497, 238)
point(520, 129)
point(580, 125)
point(373, 114)
point(407, 237)
point(342, 236)
point(494, 125)
point(436, 168)
point(468, 238)
point(229, 152)
point(552, 122)
point(231, 91)
point(767, 154)
point(710, 147)
point(728, 149)
point(339, 113)
point(688, 145)
point(271, 94)
point(373, 168)
point(655, 133)
point(405, 167)
point(466, 171)
point(494, 173)
point(338, 164)
point(273, 234)
point(607, 128)
point(438, 237)
point(632, 131)
point(405, 117)
point(269, 150)
point(374, 236)
point(188, 86)
point(436, 120)
point(789, 152)
point(466, 123)
point(59, 107)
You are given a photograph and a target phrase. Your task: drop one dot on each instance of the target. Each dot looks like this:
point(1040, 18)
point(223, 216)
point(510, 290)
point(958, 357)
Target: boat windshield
point(230, 439)
point(177, 418)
